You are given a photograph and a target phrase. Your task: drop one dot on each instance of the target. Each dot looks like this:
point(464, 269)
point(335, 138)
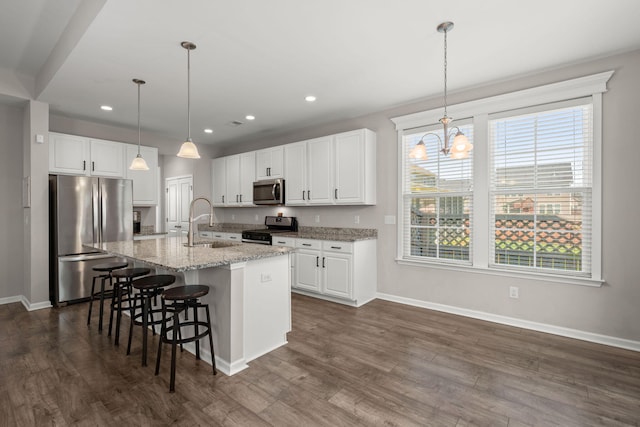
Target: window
point(546, 155)
point(527, 201)
point(437, 197)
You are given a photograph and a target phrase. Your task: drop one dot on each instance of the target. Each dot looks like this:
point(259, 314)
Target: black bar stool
point(122, 294)
point(175, 301)
point(142, 312)
point(106, 271)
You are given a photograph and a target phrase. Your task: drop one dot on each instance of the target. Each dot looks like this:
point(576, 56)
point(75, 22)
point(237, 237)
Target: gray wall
point(611, 310)
point(11, 244)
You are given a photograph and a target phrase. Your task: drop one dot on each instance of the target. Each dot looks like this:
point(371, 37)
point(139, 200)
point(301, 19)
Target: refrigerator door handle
point(87, 257)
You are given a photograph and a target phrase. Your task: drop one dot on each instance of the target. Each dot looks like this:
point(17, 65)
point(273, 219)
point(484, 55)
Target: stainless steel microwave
point(268, 192)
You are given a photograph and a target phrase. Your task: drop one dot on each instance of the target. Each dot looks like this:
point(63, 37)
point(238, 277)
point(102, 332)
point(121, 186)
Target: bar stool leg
point(132, 308)
point(104, 278)
point(163, 328)
point(119, 286)
point(195, 327)
point(93, 290)
point(172, 383)
point(145, 325)
point(213, 354)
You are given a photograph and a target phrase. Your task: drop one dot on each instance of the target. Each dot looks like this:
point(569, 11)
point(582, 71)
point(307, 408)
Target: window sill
point(581, 281)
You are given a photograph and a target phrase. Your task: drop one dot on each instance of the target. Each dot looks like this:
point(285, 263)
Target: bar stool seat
point(175, 301)
point(142, 312)
point(106, 269)
point(121, 298)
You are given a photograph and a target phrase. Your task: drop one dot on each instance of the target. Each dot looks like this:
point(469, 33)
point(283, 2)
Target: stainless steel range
point(275, 225)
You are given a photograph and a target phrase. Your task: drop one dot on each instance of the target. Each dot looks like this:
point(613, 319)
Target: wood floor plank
point(380, 364)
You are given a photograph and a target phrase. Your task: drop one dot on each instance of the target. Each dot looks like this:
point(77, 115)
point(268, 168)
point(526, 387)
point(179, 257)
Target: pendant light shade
point(188, 150)
point(139, 164)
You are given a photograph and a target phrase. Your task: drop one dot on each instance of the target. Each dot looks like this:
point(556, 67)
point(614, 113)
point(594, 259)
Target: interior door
point(179, 191)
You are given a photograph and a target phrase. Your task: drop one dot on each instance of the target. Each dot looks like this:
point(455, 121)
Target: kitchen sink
point(216, 244)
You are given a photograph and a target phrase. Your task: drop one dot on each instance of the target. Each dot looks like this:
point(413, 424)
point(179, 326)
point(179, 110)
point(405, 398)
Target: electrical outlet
point(317, 218)
point(356, 219)
point(257, 218)
point(514, 292)
point(233, 217)
point(390, 219)
point(265, 277)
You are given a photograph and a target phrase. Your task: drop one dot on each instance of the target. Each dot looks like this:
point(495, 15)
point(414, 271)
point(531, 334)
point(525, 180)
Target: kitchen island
point(249, 296)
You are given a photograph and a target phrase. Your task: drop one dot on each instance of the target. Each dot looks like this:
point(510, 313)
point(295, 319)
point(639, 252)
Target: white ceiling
point(262, 57)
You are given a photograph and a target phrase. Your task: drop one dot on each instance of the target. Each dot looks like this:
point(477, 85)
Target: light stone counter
point(249, 297)
point(171, 254)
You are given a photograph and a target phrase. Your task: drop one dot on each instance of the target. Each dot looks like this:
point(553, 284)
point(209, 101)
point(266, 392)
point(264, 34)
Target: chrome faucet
point(190, 232)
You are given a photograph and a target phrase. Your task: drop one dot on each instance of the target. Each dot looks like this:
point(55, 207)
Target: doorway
point(179, 191)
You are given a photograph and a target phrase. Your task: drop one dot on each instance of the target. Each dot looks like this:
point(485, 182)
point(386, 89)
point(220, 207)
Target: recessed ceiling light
point(310, 98)
point(250, 117)
point(208, 131)
point(106, 108)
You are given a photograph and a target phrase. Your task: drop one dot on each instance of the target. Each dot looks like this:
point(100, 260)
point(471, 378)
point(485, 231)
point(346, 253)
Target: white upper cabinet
point(239, 174)
point(219, 184)
point(333, 170)
point(355, 168)
point(269, 163)
point(68, 154)
point(145, 183)
point(77, 155)
point(295, 169)
point(107, 158)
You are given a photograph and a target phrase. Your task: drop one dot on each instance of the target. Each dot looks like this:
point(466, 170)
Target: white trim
point(11, 300)
point(596, 195)
point(549, 278)
point(519, 323)
point(568, 89)
point(35, 306)
point(221, 365)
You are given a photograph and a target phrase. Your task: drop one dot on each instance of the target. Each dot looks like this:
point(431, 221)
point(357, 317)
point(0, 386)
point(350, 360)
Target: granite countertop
point(316, 233)
point(171, 254)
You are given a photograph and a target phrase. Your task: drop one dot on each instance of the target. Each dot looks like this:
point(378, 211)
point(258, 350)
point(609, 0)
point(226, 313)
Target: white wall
point(11, 244)
point(611, 310)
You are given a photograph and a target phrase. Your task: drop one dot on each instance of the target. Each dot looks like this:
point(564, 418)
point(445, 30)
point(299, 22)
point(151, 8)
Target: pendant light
point(139, 164)
point(460, 147)
point(188, 150)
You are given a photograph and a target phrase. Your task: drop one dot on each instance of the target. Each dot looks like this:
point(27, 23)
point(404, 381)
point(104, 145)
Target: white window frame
point(589, 86)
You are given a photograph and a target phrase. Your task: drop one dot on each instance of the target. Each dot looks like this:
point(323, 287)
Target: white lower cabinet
point(338, 271)
point(235, 237)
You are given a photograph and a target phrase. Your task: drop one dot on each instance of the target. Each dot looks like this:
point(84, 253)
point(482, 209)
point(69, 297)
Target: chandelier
point(460, 146)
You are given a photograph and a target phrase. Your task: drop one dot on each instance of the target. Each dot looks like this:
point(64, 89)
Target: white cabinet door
point(354, 166)
point(307, 273)
point(247, 176)
point(295, 165)
point(218, 173)
point(145, 183)
point(269, 163)
point(107, 158)
point(319, 167)
point(68, 154)
point(232, 166)
point(336, 274)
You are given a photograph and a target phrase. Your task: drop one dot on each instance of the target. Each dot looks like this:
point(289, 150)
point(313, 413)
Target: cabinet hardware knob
point(306, 244)
point(308, 194)
point(317, 261)
point(336, 247)
point(93, 166)
point(303, 195)
point(84, 165)
point(322, 262)
point(336, 193)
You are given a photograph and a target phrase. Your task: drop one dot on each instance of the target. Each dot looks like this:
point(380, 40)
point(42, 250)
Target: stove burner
point(275, 225)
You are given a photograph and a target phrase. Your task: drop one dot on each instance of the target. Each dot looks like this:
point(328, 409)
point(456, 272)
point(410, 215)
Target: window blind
point(541, 179)
point(437, 199)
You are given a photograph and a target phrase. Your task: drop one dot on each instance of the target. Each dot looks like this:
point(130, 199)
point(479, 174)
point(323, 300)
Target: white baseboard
point(10, 300)
point(26, 303)
point(36, 305)
point(511, 321)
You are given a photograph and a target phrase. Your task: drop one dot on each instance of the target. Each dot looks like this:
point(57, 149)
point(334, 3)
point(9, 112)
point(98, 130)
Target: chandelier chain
point(445, 72)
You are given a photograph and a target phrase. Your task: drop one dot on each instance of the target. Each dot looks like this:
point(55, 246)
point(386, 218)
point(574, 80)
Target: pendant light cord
point(138, 119)
point(188, 94)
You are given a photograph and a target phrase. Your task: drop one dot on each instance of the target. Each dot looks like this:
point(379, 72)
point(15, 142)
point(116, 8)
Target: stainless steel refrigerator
point(84, 210)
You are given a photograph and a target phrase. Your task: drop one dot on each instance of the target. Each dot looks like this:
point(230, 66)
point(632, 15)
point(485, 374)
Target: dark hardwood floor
point(381, 364)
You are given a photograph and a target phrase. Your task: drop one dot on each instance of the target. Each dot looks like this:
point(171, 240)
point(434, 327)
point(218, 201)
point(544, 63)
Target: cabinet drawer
point(309, 244)
point(289, 242)
point(332, 246)
point(207, 234)
point(234, 236)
